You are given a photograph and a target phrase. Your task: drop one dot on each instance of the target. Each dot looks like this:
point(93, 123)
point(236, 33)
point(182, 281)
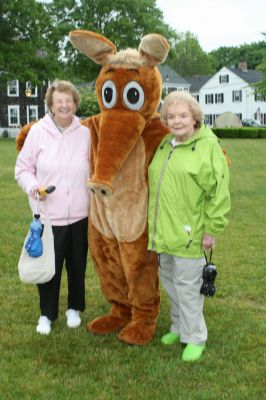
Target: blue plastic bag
point(34, 245)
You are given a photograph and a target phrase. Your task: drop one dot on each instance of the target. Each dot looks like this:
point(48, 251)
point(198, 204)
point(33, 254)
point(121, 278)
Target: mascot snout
point(113, 148)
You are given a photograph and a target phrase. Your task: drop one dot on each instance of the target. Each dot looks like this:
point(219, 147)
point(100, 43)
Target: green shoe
point(170, 338)
point(192, 352)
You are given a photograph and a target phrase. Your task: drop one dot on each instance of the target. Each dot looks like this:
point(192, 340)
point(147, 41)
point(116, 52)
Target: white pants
point(182, 279)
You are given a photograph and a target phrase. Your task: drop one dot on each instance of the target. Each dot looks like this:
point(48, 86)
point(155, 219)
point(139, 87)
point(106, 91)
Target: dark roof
point(197, 81)
point(249, 76)
point(169, 75)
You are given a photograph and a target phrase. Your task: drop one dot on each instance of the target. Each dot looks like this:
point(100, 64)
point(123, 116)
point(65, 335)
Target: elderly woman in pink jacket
point(56, 152)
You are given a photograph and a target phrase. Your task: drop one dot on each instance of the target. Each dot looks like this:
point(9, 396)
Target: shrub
point(242, 133)
point(226, 133)
point(88, 104)
point(5, 134)
point(248, 133)
point(262, 133)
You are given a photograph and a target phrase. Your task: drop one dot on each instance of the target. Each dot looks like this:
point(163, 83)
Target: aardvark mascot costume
point(124, 137)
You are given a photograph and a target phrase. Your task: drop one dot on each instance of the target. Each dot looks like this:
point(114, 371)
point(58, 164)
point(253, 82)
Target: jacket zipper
point(158, 193)
point(66, 138)
point(157, 199)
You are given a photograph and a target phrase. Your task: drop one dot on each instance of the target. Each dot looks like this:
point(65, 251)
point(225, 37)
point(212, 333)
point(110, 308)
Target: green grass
point(72, 364)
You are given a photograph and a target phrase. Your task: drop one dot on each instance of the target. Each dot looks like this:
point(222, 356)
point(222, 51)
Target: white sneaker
point(44, 325)
point(73, 318)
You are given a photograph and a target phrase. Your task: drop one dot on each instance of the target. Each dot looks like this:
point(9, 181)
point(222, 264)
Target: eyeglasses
point(61, 102)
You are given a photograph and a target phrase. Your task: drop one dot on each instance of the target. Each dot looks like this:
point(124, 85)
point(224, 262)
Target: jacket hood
point(204, 132)
point(48, 124)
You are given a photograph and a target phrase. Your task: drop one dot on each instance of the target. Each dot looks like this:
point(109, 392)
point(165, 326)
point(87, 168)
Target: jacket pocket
point(176, 231)
point(185, 226)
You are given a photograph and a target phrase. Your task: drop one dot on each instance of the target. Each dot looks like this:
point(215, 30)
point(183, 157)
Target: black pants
point(71, 246)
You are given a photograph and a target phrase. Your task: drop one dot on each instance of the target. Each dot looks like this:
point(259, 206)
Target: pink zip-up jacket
point(49, 157)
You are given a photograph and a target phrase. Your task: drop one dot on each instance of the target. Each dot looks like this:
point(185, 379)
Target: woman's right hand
point(41, 192)
point(208, 242)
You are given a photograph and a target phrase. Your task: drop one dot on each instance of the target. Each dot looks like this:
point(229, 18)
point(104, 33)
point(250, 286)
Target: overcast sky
point(217, 23)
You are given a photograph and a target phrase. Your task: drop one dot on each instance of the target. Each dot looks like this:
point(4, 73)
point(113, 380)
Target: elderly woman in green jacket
point(189, 198)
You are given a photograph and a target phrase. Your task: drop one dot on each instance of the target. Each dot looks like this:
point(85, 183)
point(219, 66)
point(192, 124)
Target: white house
point(230, 90)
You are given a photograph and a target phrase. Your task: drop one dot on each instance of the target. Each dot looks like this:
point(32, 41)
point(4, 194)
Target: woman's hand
point(41, 193)
point(208, 242)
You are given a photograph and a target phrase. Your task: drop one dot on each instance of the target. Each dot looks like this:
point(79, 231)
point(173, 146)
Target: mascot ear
point(94, 46)
point(154, 48)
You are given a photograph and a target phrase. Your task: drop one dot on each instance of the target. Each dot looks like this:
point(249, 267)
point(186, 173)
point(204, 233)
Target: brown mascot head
point(128, 90)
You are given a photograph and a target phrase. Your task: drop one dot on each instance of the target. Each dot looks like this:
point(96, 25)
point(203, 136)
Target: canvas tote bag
point(39, 269)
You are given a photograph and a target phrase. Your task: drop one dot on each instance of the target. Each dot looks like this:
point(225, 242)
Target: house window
point(31, 91)
point(13, 88)
point(223, 78)
point(13, 116)
point(196, 96)
point(208, 119)
point(214, 117)
point(219, 98)
point(32, 113)
point(209, 99)
point(259, 97)
point(237, 96)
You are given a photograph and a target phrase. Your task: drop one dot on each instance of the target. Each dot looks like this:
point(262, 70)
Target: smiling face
point(180, 121)
point(63, 107)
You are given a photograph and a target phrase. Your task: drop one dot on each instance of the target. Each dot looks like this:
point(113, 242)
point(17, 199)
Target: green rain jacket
point(188, 194)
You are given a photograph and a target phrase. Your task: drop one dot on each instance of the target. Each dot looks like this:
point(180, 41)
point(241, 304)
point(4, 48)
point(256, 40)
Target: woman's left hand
point(208, 242)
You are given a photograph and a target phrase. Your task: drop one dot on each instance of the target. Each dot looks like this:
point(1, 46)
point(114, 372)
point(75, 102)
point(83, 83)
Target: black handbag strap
point(206, 258)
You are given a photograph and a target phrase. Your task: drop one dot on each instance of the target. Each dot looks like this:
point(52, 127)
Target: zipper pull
point(169, 155)
point(189, 243)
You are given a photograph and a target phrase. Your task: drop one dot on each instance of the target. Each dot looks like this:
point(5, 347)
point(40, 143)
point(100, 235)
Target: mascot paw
point(106, 324)
point(138, 333)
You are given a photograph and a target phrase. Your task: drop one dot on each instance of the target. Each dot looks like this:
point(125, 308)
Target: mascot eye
point(109, 94)
point(133, 96)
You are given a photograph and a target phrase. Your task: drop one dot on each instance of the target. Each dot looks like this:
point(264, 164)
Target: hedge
point(240, 133)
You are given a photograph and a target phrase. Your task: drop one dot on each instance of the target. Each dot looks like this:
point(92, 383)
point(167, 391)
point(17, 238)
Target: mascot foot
point(106, 324)
point(138, 333)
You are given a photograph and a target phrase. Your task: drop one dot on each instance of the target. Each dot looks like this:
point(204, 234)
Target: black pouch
point(209, 274)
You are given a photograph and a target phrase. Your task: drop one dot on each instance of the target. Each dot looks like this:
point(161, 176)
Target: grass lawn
point(72, 364)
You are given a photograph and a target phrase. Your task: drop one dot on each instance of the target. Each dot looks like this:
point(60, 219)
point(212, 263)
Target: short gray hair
point(178, 97)
point(62, 87)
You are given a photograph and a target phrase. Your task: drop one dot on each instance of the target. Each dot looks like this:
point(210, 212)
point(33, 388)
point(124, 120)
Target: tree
point(253, 54)
point(189, 59)
point(123, 22)
point(261, 86)
point(25, 53)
